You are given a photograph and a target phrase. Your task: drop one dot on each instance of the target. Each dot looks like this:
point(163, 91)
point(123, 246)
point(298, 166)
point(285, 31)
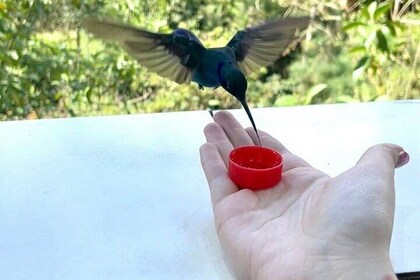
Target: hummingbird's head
point(234, 82)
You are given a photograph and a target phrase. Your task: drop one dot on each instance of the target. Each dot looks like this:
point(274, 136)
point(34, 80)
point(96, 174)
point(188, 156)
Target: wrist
point(367, 269)
point(331, 268)
point(356, 269)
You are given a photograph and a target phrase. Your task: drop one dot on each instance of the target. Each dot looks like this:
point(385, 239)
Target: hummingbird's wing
point(173, 56)
point(262, 45)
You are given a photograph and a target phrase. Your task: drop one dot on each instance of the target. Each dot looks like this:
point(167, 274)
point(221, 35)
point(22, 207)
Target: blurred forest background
point(49, 67)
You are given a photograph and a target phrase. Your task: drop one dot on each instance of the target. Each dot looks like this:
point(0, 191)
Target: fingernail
point(403, 159)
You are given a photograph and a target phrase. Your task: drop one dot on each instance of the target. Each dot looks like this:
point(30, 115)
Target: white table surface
point(124, 197)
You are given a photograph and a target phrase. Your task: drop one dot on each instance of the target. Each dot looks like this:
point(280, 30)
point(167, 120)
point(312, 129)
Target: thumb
point(386, 156)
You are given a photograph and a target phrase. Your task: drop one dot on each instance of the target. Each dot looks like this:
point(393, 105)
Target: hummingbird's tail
point(248, 112)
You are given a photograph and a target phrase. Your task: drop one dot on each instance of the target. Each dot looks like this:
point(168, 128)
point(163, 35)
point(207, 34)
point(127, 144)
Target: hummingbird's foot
point(200, 87)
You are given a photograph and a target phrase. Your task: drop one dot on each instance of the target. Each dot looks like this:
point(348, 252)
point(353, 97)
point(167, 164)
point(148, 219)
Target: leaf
point(13, 55)
point(361, 65)
point(383, 98)
point(89, 95)
point(346, 99)
point(314, 91)
point(352, 25)
point(214, 104)
point(2, 24)
point(3, 7)
point(382, 9)
point(365, 12)
point(367, 92)
point(382, 42)
point(372, 9)
point(64, 77)
point(399, 25)
point(390, 26)
point(286, 100)
point(358, 48)
point(370, 40)
point(58, 96)
point(362, 62)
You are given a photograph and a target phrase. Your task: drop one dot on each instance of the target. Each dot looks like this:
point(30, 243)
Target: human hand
point(309, 226)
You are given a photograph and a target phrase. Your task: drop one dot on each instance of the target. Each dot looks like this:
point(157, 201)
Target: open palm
point(309, 226)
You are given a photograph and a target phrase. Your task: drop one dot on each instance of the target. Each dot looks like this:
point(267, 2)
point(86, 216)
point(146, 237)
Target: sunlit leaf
point(3, 6)
point(13, 55)
point(370, 39)
point(358, 48)
point(64, 77)
point(383, 98)
point(368, 94)
point(372, 9)
point(214, 104)
point(364, 12)
point(314, 91)
point(58, 95)
point(382, 9)
point(352, 25)
point(346, 99)
point(286, 100)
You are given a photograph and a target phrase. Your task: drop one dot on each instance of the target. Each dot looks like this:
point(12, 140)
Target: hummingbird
point(181, 57)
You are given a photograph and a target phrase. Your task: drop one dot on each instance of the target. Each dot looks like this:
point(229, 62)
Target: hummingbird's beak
point(248, 112)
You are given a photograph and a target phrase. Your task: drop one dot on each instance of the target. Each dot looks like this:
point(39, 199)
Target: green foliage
point(49, 67)
point(380, 44)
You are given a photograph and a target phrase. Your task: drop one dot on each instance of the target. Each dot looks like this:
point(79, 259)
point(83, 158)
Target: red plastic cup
point(255, 167)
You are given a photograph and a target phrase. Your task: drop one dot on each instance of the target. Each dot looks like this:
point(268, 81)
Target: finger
point(290, 160)
point(234, 131)
point(216, 173)
point(215, 134)
point(374, 174)
point(386, 157)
